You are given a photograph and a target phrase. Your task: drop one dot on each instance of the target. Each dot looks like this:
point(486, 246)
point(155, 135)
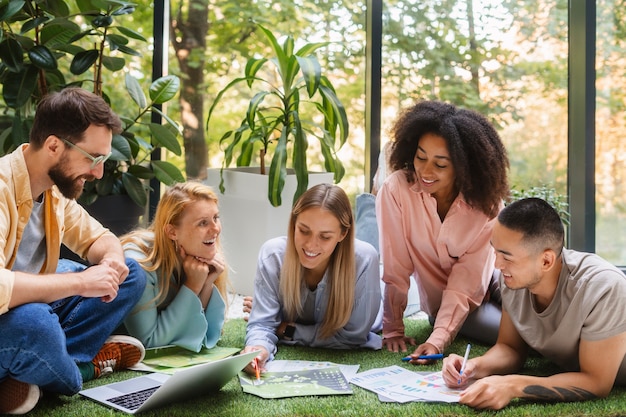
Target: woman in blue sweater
point(184, 300)
point(319, 286)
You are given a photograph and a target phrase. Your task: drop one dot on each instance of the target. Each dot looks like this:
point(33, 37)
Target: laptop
point(154, 390)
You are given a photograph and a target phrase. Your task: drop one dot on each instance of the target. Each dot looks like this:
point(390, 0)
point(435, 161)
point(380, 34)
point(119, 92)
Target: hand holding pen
point(457, 370)
point(464, 364)
point(433, 357)
point(424, 354)
point(256, 366)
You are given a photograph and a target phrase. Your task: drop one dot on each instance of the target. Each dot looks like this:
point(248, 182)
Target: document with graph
point(285, 378)
point(397, 384)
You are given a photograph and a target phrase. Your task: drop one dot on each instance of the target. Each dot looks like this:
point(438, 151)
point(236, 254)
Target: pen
point(467, 351)
point(433, 357)
point(257, 369)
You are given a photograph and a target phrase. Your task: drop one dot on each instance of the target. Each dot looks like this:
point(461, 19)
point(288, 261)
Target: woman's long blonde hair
point(160, 251)
point(341, 268)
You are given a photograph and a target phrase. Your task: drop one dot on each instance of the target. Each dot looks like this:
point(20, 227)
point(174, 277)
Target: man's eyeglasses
point(95, 160)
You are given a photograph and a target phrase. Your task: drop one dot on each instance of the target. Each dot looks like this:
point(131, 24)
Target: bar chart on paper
point(396, 384)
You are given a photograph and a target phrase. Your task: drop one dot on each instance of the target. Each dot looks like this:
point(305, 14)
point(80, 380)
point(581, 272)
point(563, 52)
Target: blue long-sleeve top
point(180, 320)
point(267, 309)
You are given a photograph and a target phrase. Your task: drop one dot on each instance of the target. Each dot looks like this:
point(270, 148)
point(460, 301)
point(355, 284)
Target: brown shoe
point(18, 397)
point(118, 352)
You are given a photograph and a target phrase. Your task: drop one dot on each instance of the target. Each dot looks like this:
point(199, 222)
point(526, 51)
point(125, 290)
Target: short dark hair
point(538, 222)
point(68, 113)
point(478, 155)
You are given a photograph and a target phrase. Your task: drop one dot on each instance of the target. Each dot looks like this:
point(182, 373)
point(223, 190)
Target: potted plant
point(44, 49)
point(294, 103)
point(279, 122)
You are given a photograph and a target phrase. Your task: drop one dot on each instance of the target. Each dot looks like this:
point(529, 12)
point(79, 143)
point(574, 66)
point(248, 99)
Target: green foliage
point(130, 166)
point(550, 195)
point(47, 46)
point(276, 122)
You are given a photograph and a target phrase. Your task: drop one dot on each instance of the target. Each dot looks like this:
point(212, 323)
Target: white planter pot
point(248, 219)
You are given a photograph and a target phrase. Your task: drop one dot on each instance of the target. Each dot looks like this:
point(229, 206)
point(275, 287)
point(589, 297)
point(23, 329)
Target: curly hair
point(478, 155)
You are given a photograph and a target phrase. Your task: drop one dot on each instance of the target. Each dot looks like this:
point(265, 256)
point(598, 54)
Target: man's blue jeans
point(42, 344)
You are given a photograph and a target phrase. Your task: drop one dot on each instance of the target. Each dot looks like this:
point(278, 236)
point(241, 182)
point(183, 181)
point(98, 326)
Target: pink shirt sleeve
point(395, 256)
point(452, 261)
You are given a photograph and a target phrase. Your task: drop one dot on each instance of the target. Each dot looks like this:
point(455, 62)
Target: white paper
point(397, 384)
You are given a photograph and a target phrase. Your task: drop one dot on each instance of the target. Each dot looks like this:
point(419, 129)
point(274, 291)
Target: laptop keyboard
point(133, 400)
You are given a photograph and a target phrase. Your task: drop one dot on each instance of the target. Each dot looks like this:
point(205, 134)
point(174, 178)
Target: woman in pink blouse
point(435, 214)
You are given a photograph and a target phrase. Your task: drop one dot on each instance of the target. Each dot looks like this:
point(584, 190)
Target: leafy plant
point(130, 165)
point(275, 122)
point(550, 195)
point(45, 46)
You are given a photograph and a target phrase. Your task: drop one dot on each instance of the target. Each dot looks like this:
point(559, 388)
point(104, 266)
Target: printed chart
point(294, 378)
point(397, 384)
point(323, 381)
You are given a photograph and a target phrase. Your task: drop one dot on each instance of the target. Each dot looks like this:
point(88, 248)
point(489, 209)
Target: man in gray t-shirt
point(559, 302)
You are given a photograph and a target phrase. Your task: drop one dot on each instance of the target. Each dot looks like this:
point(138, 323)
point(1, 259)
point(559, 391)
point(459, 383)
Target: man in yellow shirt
point(56, 327)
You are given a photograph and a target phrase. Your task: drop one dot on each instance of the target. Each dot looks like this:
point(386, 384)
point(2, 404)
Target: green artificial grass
point(231, 401)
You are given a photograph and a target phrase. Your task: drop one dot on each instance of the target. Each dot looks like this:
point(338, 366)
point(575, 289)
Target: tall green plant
point(46, 46)
point(275, 121)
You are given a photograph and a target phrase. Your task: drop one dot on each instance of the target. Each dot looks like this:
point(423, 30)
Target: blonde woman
point(184, 300)
point(318, 286)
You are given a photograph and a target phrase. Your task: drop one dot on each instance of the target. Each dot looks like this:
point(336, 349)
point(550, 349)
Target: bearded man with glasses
point(56, 327)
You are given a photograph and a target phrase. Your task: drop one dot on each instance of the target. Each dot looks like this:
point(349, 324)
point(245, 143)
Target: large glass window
point(611, 131)
point(505, 59)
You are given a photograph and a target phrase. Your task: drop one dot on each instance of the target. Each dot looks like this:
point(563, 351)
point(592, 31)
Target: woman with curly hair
point(184, 300)
point(435, 213)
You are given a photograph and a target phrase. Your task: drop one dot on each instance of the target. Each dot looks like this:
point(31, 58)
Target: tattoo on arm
point(555, 394)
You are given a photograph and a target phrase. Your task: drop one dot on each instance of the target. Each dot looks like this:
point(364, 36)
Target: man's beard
point(70, 187)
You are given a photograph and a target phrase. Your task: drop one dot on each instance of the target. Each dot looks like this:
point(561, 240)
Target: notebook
point(154, 390)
